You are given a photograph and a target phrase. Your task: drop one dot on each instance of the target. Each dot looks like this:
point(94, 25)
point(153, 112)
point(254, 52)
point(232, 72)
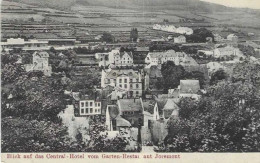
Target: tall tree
point(172, 74)
point(134, 34)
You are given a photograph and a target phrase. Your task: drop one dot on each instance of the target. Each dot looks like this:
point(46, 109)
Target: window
point(120, 80)
point(120, 85)
point(86, 110)
point(99, 104)
point(82, 111)
point(125, 80)
point(91, 104)
point(137, 85)
point(82, 104)
point(99, 110)
point(131, 80)
point(131, 85)
point(137, 93)
point(125, 85)
point(95, 110)
point(86, 103)
point(91, 110)
point(95, 104)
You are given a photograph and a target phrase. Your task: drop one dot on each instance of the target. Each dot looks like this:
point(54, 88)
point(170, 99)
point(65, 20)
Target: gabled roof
point(41, 54)
point(161, 101)
point(130, 105)
point(126, 53)
point(232, 35)
point(169, 53)
point(170, 105)
point(189, 86)
point(180, 36)
point(121, 122)
point(113, 111)
point(113, 74)
point(226, 49)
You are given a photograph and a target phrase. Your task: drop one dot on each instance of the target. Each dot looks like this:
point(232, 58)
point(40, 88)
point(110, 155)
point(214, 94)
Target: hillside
point(195, 5)
point(157, 4)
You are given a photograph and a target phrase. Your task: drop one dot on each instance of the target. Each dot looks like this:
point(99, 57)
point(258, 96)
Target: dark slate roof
point(149, 105)
point(161, 101)
point(113, 111)
point(103, 107)
point(42, 54)
point(123, 53)
point(113, 74)
point(130, 105)
point(189, 86)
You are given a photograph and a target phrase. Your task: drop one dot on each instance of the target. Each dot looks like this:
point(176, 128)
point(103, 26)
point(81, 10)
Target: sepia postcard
point(130, 81)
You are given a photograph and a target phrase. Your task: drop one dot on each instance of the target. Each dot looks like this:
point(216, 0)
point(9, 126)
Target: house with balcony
point(127, 81)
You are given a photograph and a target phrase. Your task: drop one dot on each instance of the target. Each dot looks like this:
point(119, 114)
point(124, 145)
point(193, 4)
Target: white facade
point(127, 81)
point(40, 63)
point(179, 58)
point(171, 28)
point(115, 58)
point(118, 58)
point(232, 37)
point(12, 43)
point(180, 39)
point(89, 107)
point(103, 59)
point(227, 52)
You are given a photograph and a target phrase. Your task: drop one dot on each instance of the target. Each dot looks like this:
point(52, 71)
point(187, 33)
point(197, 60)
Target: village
point(135, 83)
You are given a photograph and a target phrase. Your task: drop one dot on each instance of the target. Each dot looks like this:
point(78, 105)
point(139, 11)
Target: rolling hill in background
point(196, 5)
point(157, 4)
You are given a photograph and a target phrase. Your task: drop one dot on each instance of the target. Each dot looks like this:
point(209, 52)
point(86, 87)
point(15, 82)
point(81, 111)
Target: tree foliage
point(200, 35)
point(217, 76)
point(134, 34)
point(226, 119)
point(108, 37)
point(172, 74)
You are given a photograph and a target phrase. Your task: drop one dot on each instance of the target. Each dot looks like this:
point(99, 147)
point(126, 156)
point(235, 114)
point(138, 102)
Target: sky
point(255, 4)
